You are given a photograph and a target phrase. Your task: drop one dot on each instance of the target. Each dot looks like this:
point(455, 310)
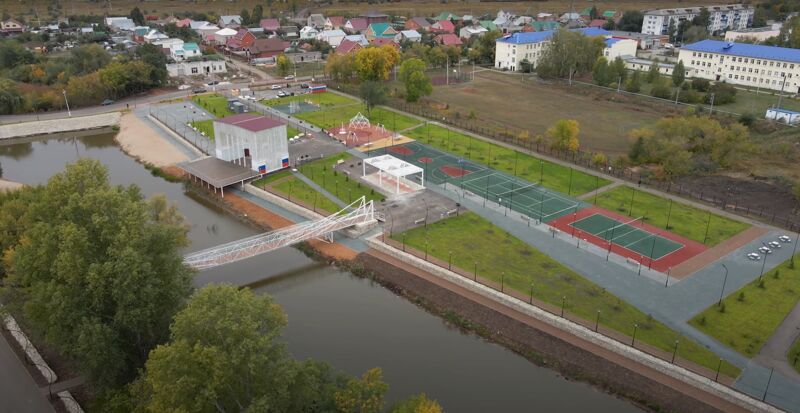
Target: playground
point(359, 132)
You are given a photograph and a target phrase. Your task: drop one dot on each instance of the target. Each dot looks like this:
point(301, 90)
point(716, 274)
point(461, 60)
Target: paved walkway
point(18, 391)
point(590, 195)
point(774, 354)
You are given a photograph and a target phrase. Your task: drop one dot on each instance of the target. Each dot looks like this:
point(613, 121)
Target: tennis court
point(527, 198)
point(629, 235)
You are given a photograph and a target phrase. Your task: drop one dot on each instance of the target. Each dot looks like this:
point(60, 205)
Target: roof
point(347, 46)
point(783, 54)
point(251, 122)
point(272, 44)
point(225, 32)
point(332, 33)
point(597, 23)
point(447, 16)
point(612, 41)
point(695, 10)
point(196, 24)
point(381, 41)
point(445, 25)
point(393, 166)
point(449, 39)
point(786, 111)
point(380, 28)
point(336, 21)
point(609, 13)
point(410, 34)
point(421, 22)
point(488, 24)
point(536, 37)
point(269, 24)
point(358, 38)
point(191, 46)
point(373, 14)
point(592, 31)
point(544, 25)
point(358, 23)
point(231, 19)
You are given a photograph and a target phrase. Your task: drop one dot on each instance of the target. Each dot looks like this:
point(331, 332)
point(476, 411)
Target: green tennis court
point(629, 235)
point(525, 197)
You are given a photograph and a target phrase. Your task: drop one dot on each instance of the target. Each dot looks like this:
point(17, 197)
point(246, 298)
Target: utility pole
point(780, 97)
point(447, 72)
point(64, 92)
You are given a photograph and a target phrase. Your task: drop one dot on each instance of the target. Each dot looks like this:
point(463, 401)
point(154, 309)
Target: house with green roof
point(380, 31)
point(540, 26)
point(586, 12)
point(446, 16)
point(609, 14)
point(488, 24)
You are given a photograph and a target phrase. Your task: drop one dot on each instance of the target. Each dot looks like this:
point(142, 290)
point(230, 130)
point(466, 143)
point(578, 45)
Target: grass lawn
point(296, 189)
point(551, 175)
point(794, 355)
point(335, 116)
point(472, 239)
point(684, 220)
point(326, 99)
point(346, 189)
point(205, 126)
point(215, 104)
point(270, 178)
point(291, 131)
point(749, 316)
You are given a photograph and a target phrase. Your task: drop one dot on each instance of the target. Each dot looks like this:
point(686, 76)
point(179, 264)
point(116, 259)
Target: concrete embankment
point(19, 130)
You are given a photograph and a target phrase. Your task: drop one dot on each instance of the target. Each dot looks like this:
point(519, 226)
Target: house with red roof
point(382, 41)
point(270, 47)
point(183, 23)
point(348, 46)
point(256, 142)
point(417, 23)
point(334, 22)
point(270, 25)
point(599, 23)
point(356, 25)
point(243, 39)
point(443, 26)
point(448, 39)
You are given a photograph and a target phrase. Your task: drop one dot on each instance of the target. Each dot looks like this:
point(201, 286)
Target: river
point(346, 321)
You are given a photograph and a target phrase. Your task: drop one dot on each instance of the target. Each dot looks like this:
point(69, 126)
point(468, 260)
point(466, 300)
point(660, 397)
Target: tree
point(245, 15)
point(700, 85)
point(282, 64)
point(375, 63)
point(417, 83)
point(483, 47)
point(678, 73)
point(564, 135)
point(373, 93)
point(137, 16)
point(98, 272)
point(631, 21)
point(695, 34)
point(10, 99)
point(417, 404)
point(363, 395)
point(257, 15)
point(13, 53)
point(526, 66)
point(569, 53)
point(661, 89)
point(723, 93)
point(653, 74)
point(85, 90)
point(340, 67)
point(702, 19)
point(634, 83)
point(593, 12)
point(89, 58)
point(617, 70)
point(600, 73)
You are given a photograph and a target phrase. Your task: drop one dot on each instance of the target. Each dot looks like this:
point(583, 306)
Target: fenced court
point(630, 237)
point(529, 199)
point(295, 107)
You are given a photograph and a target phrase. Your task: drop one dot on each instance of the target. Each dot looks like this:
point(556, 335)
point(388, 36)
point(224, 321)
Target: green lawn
point(326, 99)
point(551, 175)
point(346, 189)
point(472, 239)
point(684, 220)
point(215, 104)
point(205, 126)
point(749, 316)
point(260, 182)
point(295, 189)
point(335, 116)
point(794, 355)
point(291, 131)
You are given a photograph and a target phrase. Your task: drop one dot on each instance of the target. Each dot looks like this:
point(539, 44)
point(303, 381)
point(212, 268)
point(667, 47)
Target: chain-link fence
point(182, 127)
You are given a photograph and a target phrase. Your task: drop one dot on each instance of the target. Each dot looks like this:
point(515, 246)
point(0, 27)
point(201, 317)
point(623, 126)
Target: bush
point(701, 85)
point(747, 119)
point(761, 284)
point(723, 93)
point(661, 90)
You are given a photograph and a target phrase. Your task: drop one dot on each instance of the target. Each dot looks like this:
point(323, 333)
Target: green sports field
point(684, 220)
point(548, 174)
point(627, 235)
point(215, 104)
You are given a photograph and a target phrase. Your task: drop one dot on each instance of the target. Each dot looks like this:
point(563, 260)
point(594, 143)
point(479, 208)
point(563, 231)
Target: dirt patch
point(139, 140)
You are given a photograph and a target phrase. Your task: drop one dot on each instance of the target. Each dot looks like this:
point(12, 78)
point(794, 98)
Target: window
point(194, 70)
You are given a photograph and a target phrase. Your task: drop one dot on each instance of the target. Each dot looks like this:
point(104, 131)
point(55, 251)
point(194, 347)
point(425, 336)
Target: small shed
point(788, 117)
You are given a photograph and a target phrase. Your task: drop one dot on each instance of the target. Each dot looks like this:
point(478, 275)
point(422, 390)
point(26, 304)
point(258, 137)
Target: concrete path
point(18, 130)
point(319, 189)
point(775, 351)
point(18, 391)
point(590, 195)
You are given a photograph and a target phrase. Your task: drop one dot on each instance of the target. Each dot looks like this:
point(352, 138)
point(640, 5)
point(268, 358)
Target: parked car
point(282, 94)
point(184, 87)
point(213, 82)
point(784, 238)
point(199, 90)
point(107, 102)
point(774, 244)
point(304, 86)
point(276, 87)
point(765, 250)
point(753, 256)
point(290, 77)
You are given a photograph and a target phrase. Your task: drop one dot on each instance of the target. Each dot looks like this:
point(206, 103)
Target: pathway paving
point(774, 354)
point(590, 195)
point(18, 391)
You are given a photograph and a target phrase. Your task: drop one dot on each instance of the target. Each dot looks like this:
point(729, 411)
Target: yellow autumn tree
point(376, 63)
point(564, 135)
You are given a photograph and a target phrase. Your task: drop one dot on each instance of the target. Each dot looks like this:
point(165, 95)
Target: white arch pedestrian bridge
point(359, 212)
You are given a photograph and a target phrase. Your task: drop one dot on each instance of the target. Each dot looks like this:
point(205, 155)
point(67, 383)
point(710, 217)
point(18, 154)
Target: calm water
point(333, 316)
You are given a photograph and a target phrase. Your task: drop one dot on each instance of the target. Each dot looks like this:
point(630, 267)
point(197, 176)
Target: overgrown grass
point(471, 239)
point(551, 175)
point(337, 183)
point(794, 355)
point(684, 219)
point(335, 116)
point(205, 126)
point(747, 318)
point(323, 99)
point(215, 104)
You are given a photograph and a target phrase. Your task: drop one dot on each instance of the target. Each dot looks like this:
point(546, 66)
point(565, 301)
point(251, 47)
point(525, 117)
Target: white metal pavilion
point(394, 168)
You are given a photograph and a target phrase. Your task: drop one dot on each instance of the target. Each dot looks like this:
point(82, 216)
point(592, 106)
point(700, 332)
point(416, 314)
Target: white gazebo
point(394, 169)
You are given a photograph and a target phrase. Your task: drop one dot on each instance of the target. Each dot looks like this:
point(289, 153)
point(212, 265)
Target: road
point(18, 391)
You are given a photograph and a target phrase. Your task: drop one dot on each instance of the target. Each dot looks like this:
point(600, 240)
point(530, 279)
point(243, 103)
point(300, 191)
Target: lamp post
point(724, 281)
point(674, 352)
point(531, 299)
point(597, 321)
point(763, 264)
point(633, 341)
point(64, 92)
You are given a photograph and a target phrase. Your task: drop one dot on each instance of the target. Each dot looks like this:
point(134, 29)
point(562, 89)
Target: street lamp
point(64, 92)
point(426, 213)
point(724, 281)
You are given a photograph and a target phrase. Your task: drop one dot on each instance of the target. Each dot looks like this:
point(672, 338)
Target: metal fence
point(182, 128)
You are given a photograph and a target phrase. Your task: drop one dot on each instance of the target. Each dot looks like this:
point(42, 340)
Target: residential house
point(197, 68)
point(332, 37)
point(86, 30)
point(243, 39)
point(448, 39)
point(138, 33)
point(417, 23)
point(721, 18)
point(522, 20)
point(348, 46)
point(270, 25)
point(11, 26)
point(488, 24)
point(408, 35)
point(207, 31)
point(185, 51)
point(308, 32)
point(231, 22)
point(356, 25)
point(316, 21)
point(505, 15)
point(263, 48)
point(443, 26)
point(120, 23)
point(221, 36)
point(375, 17)
point(168, 44)
point(289, 32)
point(154, 36)
point(183, 23)
point(569, 17)
point(545, 17)
point(611, 15)
point(334, 22)
point(540, 26)
point(467, 32)
point(379, 31)
point(467, 19)
point(358, 38)
point(597, 23)
point(447, 16)
point(382, 41)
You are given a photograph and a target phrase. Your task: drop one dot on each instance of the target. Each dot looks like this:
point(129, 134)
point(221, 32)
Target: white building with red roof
point(255, 142)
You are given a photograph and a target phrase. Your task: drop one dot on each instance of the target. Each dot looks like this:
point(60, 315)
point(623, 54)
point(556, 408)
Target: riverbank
point(44, 127)
point(140, 141)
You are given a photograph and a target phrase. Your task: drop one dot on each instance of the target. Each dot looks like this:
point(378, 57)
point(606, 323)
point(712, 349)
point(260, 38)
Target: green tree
point(653, 74)
point(13, 53)
point(89, 58)
point(257, 15)
point(484, 47)
point(372, 93)
point(569, 52)
point(723, 93)
point(375, 63)
point(10, 99)
point(661, 89)
point(631, 21)
point(417, 83)
point(694, 34)
point(152, 56)
point(137, 16)
point(417, 404)
point(702, 19)
point(245, 15)
point(678, 73)
point(98, 273)
point(634, 83)
point(617, 70)
point(363, 395)
point(600, 73)
point(282, 64)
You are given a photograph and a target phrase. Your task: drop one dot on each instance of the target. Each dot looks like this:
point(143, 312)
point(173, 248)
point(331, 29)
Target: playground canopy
point(394, 167)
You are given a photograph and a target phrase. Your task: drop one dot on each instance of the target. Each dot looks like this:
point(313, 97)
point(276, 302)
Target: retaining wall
point(43, 127)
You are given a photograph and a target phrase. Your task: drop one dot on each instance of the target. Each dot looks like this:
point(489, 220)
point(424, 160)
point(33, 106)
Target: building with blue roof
point(759, 66)
point(513, 48)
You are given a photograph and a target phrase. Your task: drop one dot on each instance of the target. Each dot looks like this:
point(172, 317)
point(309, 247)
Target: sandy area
point(9, 185)
point(141, 141)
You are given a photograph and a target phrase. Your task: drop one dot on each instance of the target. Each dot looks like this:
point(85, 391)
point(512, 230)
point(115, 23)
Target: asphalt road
point(18, 391)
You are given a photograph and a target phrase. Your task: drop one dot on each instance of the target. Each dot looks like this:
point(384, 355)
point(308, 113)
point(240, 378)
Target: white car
point(784, 238)
point(276, 87)
point(290, 77)
point(753, 256)
point(765, 250)
point(774, 244)
point(184, 87)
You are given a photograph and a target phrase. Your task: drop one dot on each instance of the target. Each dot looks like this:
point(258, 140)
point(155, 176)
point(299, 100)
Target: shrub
point(722, 307)
point(661, 90)
point(747, 119)
point(723, 93)
point(701, 85)
point(740, 298)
